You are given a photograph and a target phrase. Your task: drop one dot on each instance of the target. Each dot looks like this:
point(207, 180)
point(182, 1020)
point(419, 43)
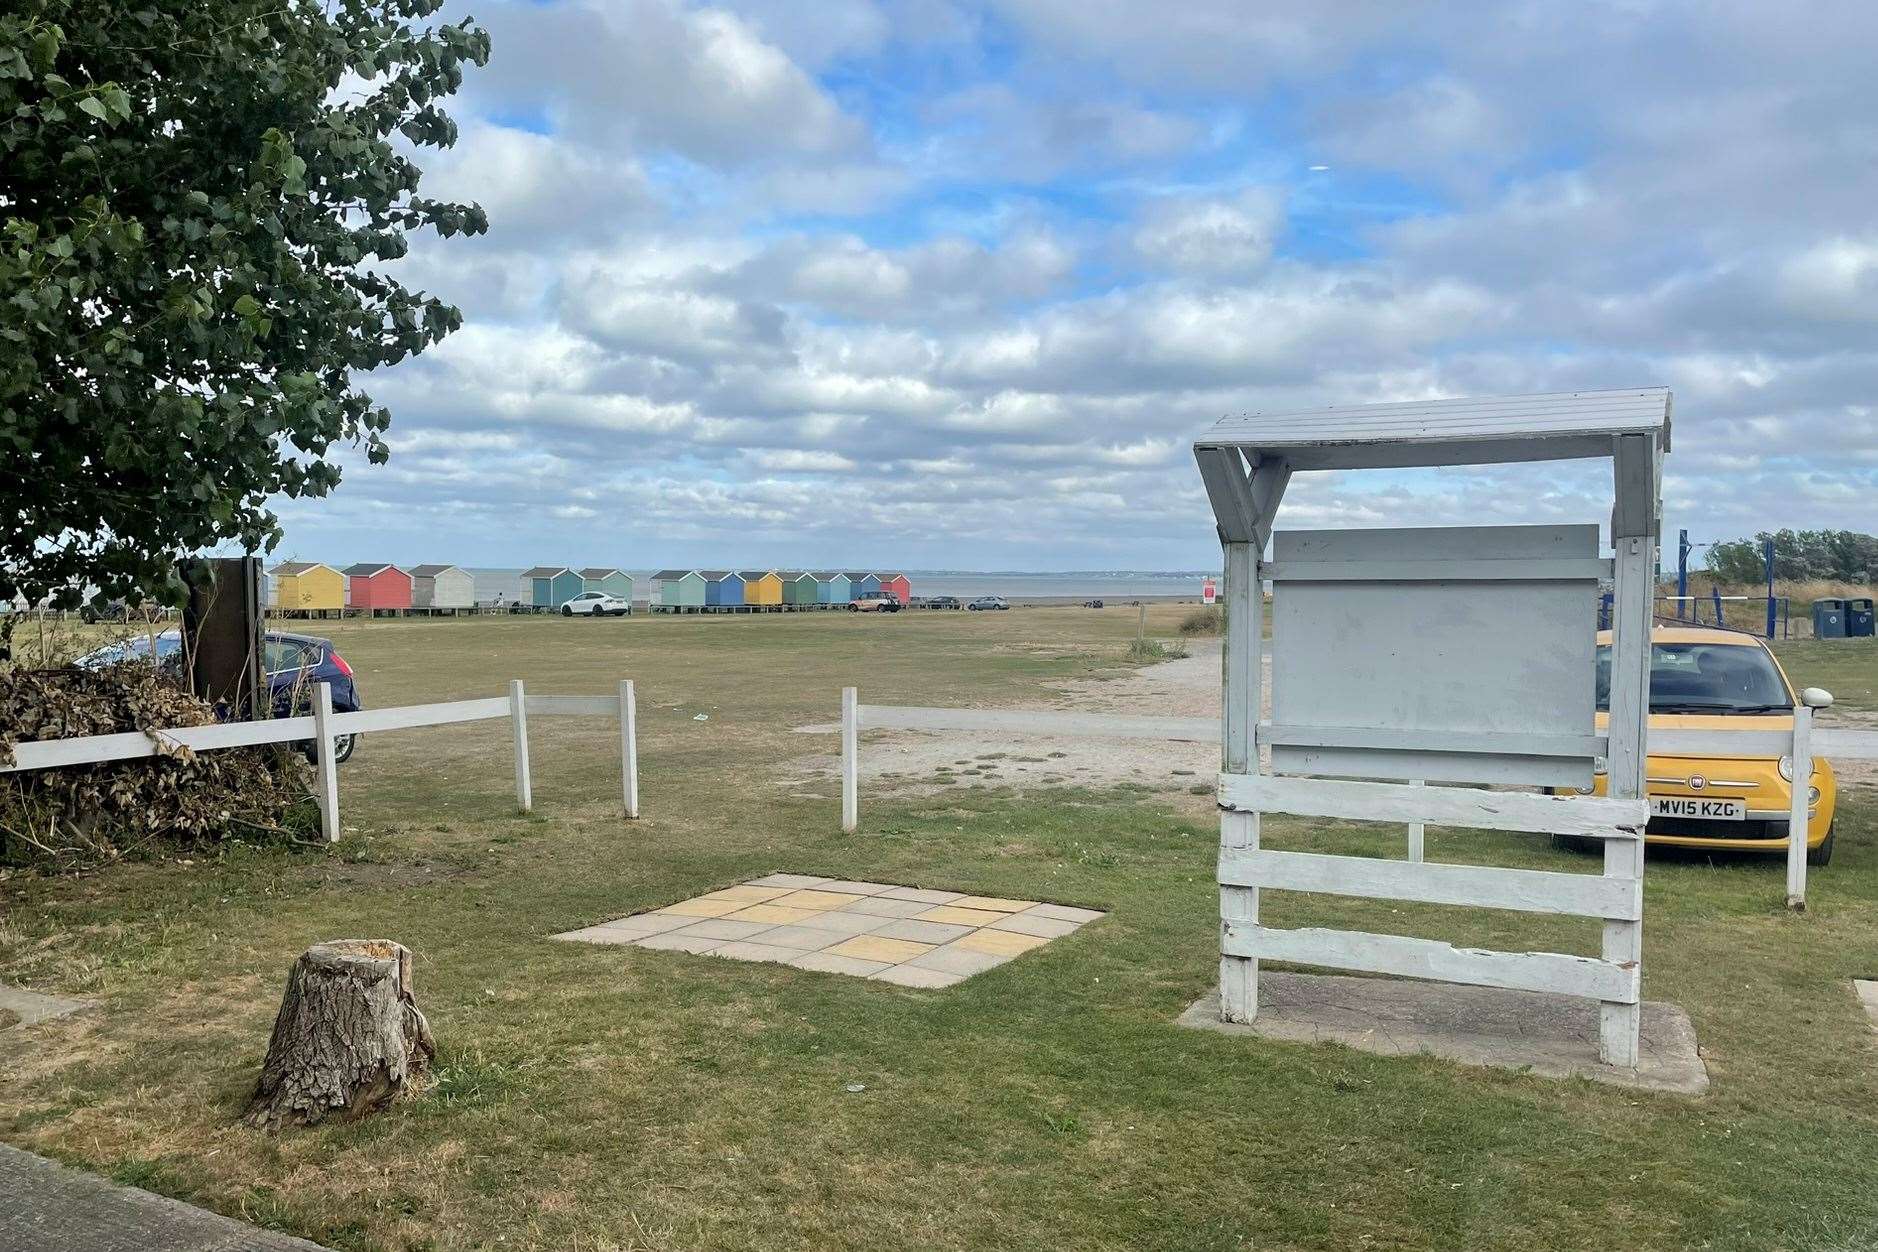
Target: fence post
point(1416, 830)
point(328, 767)
point(629, 745)
point(1798, 805)
point(518, 719)
point(850, 759)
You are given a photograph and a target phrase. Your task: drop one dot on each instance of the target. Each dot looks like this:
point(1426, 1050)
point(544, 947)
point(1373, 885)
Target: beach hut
point(442, 587)
point(763, 587)
point(722, 589)
point(309, 587)
point(373, 585)
point(862, 584)
point(831, 586)
point(896, 583)
point(678, 589)
point(550, 586)
point(799, 587)
point(614, 582)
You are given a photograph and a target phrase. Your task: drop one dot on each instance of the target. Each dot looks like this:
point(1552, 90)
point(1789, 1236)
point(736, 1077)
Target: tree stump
point(347, 1038)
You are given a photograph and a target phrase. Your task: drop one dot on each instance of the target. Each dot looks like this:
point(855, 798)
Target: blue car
point(292, 663)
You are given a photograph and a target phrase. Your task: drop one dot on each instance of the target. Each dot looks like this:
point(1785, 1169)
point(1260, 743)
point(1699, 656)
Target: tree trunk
point(348, 1036)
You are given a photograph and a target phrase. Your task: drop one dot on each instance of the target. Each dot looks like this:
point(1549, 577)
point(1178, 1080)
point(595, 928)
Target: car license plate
point(1690, 806)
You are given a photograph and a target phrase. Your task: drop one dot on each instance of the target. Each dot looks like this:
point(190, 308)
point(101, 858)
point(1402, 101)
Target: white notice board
point(1449, 654)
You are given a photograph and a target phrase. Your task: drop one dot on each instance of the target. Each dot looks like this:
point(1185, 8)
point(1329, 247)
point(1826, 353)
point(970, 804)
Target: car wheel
point(1822, 855)
point(342, 747)
point(567, 610)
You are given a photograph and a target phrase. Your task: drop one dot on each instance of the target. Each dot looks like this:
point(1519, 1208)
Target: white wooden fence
point(1803, 743)
point(1616, 896)
point(323, 727)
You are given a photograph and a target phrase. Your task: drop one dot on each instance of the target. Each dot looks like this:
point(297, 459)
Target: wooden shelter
point(723, 589)
point(799, 587)
point(375, 587)
point(896, 584)
point(437, 587)
point(550, 586)
point(1457, 654)
point(614, 582)
point(309, 587)
point(761, 587)
point(678, 589)
point(831, 587)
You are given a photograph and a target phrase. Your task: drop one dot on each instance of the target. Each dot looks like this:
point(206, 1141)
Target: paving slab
point(829, 963)
point(1031, 924)
point(909, 936)
point(1867, 989)
point(786, 880)
point(924, 895)
point(33, 1007)
point(1552, 1035)
point(922, 932)
point(1064, 912)
point(952, 959)
point(843, 922)
point(51, 1208)
point(914, 976)
point(601, 934)
point(723, 928)
point(801, 938)
point(676, 943)
point(881, 906)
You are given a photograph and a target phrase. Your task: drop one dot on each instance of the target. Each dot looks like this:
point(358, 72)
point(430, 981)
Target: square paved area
point(904, 935)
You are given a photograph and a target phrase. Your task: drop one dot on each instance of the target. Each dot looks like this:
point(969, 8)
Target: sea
point(1017, 586)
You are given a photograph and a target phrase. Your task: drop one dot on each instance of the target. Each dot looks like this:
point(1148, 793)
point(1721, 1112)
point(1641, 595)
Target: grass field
point(607, 1098)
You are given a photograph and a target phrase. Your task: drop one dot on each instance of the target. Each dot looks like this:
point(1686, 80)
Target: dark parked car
point(987, 603)
point(943, 602)
point(1092, 604)
point(293, 663)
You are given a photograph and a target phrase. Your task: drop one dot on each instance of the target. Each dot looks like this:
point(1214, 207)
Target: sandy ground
point(932, 761)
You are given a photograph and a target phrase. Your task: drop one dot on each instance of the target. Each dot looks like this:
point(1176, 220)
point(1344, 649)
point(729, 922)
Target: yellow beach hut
point(761, 587)
point(308, 587)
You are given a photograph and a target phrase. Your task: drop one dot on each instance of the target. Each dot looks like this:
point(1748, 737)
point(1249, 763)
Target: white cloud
point(1021, 254)
point(1221, 237)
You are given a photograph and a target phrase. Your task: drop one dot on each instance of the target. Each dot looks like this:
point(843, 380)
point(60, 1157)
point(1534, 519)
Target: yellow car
point(1708, 679)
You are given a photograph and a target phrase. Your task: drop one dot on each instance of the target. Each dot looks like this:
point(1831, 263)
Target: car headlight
point(1600, 766)
point(1812, 795)
point(1786, 768)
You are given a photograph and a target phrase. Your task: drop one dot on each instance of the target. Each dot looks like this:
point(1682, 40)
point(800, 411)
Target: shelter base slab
point(1552, 1035)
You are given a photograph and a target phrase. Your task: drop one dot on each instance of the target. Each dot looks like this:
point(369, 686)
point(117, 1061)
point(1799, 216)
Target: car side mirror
point(1816, 698)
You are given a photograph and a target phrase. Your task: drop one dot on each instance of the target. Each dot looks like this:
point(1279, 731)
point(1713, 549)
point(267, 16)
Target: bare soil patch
point(923, 762)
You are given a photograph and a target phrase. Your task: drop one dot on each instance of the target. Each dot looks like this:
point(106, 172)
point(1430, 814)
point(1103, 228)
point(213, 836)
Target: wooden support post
point(1415, 832)
point(629, 745)
point(518, 719)
point(850, 759)
point(324, 759)
point(1797, 807)
point(1239, 832)
point(1637, 475)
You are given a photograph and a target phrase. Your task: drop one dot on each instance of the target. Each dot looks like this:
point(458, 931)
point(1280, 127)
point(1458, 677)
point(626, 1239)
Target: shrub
point(84, 815)
point(1207, 621)
point(1155, 650)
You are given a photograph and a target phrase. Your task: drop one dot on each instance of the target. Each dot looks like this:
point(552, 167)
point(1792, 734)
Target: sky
point(931, 284)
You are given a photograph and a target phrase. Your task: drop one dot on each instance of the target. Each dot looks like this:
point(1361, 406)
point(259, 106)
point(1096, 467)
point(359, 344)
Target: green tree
point(1837, 555)
point(194, 201)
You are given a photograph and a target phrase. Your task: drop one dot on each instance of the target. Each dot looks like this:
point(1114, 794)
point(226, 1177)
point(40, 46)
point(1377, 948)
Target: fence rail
point(324, 726)
point(1492, 810)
